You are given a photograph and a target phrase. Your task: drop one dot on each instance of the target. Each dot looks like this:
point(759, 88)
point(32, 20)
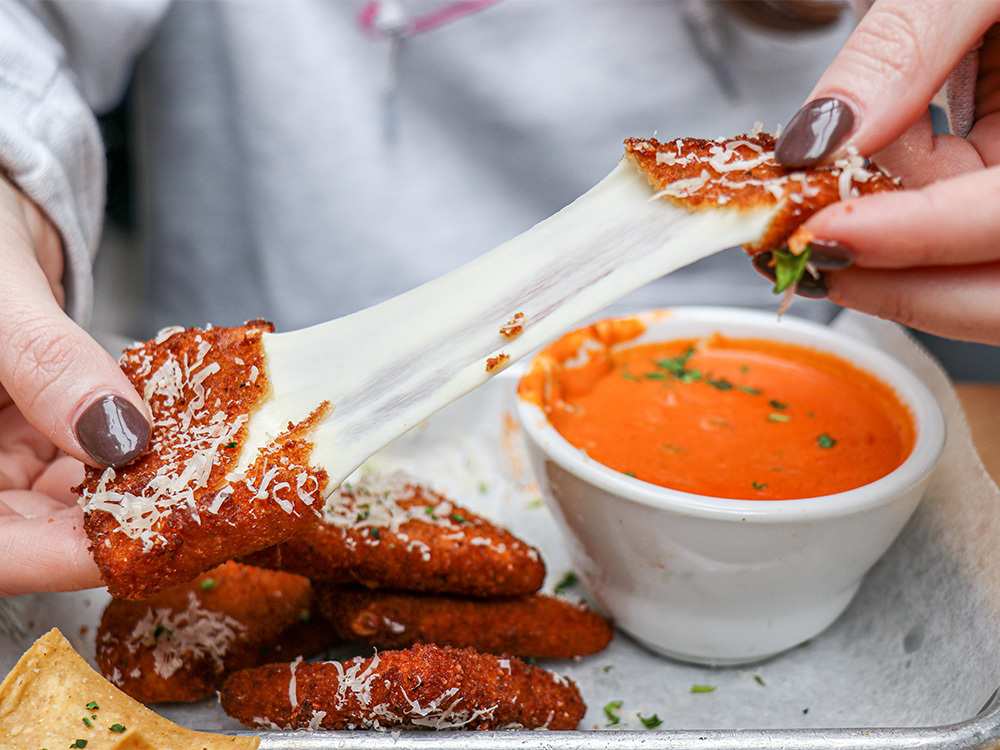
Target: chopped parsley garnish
point(611, 711)
point(655, 376)
point(650, 722)
point(789, 268)
point(161, 629)
point(117, 728)
point(567, 581)
point(779, 405)
point(92, 706)
point(374, 533)
point(775, 417)
point(758, 486)
point(630, 474)
point(703, 688)
point(749, 389)
point(457, 518)
point(608, 668)
point(207, 584)
point(231, 445)
point(676, 366)
point(429, 510)
point(630, 376)
point(88, 722)
point(722, 384)
point(79, 743)
point(825, 441)
point(758, 679)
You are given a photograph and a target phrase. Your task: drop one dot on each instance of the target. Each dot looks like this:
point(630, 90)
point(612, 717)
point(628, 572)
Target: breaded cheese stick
point(538, 625)
point(424, 686)
point(392, 532)
point(180, 644)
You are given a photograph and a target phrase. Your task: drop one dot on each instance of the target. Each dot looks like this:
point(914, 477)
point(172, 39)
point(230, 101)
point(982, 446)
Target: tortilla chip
point(53, 699)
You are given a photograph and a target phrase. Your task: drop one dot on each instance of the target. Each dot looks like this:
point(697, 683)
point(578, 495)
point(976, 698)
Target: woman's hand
point(929, 256)
point(63, 400)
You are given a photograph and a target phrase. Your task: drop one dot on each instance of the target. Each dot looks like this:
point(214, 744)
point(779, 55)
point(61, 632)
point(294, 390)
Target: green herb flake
point(611, 711)
point(630, 376)
point(92, 706)
point(161, 629)
point(703, 688)
point(374, 533)
point(231, 445)
point(429, 510)
point(789, 268)
point(630, 474)
point(567, 581)
point(207, 584)
point(457, 518)
point(88, 722)
point(650, 722)
point(779, 405)
point(305, 616)
point(79, 743)
point(536, 503)
point(824, 441)
point(758, 485)
point(721, 384)
point(654, 376)
point(744, 368)
point(775, 417)
point(117, 728)
point(749, 389)
point(759, 680)
point(608, 668)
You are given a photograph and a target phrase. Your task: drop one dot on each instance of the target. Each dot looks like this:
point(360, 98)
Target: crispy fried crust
point(741, 173)
point(538, 625)
point(390, 532)
point(180, 644)
point(423, 686)
point(177, 511)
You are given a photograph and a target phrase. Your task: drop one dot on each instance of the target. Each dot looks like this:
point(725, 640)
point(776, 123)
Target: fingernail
point(812, 287)
point(815, 133)
point(830, 255)
point(112, 431)
point(763, 263)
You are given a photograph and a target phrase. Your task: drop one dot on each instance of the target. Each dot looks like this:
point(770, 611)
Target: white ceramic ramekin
point(721, 581)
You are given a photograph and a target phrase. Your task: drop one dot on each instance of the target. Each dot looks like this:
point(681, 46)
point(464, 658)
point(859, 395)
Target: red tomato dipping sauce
point(721, 417)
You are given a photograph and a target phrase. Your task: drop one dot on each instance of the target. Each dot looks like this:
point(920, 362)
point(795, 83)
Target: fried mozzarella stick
point(181, 507)
point(424, 686)
point(539, 625)
point(251, 426)
point(392, 532)
point(180, 644)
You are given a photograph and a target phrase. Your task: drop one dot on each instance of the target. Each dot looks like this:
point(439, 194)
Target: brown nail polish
point(812, 287)
point(815, 133)
point(763, 262)
point(829, 255)
point(112, 431)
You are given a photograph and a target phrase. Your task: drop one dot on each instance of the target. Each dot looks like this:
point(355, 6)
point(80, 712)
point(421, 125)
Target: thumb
point(64, 383)
point(884, 78)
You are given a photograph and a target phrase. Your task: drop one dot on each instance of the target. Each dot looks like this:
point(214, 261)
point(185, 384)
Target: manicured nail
point(812, 287)
point(830, 255)
point(112, 431)
point(763, 262)
point(815, 133)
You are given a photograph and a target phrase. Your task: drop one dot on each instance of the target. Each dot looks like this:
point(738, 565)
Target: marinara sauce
point(725, 417)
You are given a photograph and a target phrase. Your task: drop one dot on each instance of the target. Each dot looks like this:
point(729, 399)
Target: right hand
point(63, 400)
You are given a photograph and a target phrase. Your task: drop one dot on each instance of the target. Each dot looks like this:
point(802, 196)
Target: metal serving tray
point(913, 663)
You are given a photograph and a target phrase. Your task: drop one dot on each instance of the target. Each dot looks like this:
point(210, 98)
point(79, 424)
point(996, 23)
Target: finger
point(951, 222)
point(59, 479)
point(63, 382)
point(960, 302)
point(48, 553)
point(884, 78)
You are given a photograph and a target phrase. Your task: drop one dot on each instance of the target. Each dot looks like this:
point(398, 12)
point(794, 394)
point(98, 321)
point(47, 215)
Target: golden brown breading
point(423, 686)
point(537, 625)
point(741, 172)
point(178, 510)
point(391, 532)
point(180, 644)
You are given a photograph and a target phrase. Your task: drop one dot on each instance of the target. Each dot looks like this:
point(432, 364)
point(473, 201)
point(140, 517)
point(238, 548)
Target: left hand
point(928, 256)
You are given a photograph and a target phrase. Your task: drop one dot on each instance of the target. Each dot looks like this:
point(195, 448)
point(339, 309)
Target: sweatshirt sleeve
point(50, 143)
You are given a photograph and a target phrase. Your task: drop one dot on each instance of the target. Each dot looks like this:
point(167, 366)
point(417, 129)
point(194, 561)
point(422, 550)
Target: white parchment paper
point(919, 645)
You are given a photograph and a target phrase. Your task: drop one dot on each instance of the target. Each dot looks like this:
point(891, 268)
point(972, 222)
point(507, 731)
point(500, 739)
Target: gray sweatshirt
point(277, 178)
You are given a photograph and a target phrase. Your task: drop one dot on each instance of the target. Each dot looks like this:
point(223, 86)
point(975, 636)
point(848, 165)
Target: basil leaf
point(789, 268)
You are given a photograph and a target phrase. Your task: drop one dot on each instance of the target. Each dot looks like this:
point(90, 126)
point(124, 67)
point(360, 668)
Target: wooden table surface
point(981, 402)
